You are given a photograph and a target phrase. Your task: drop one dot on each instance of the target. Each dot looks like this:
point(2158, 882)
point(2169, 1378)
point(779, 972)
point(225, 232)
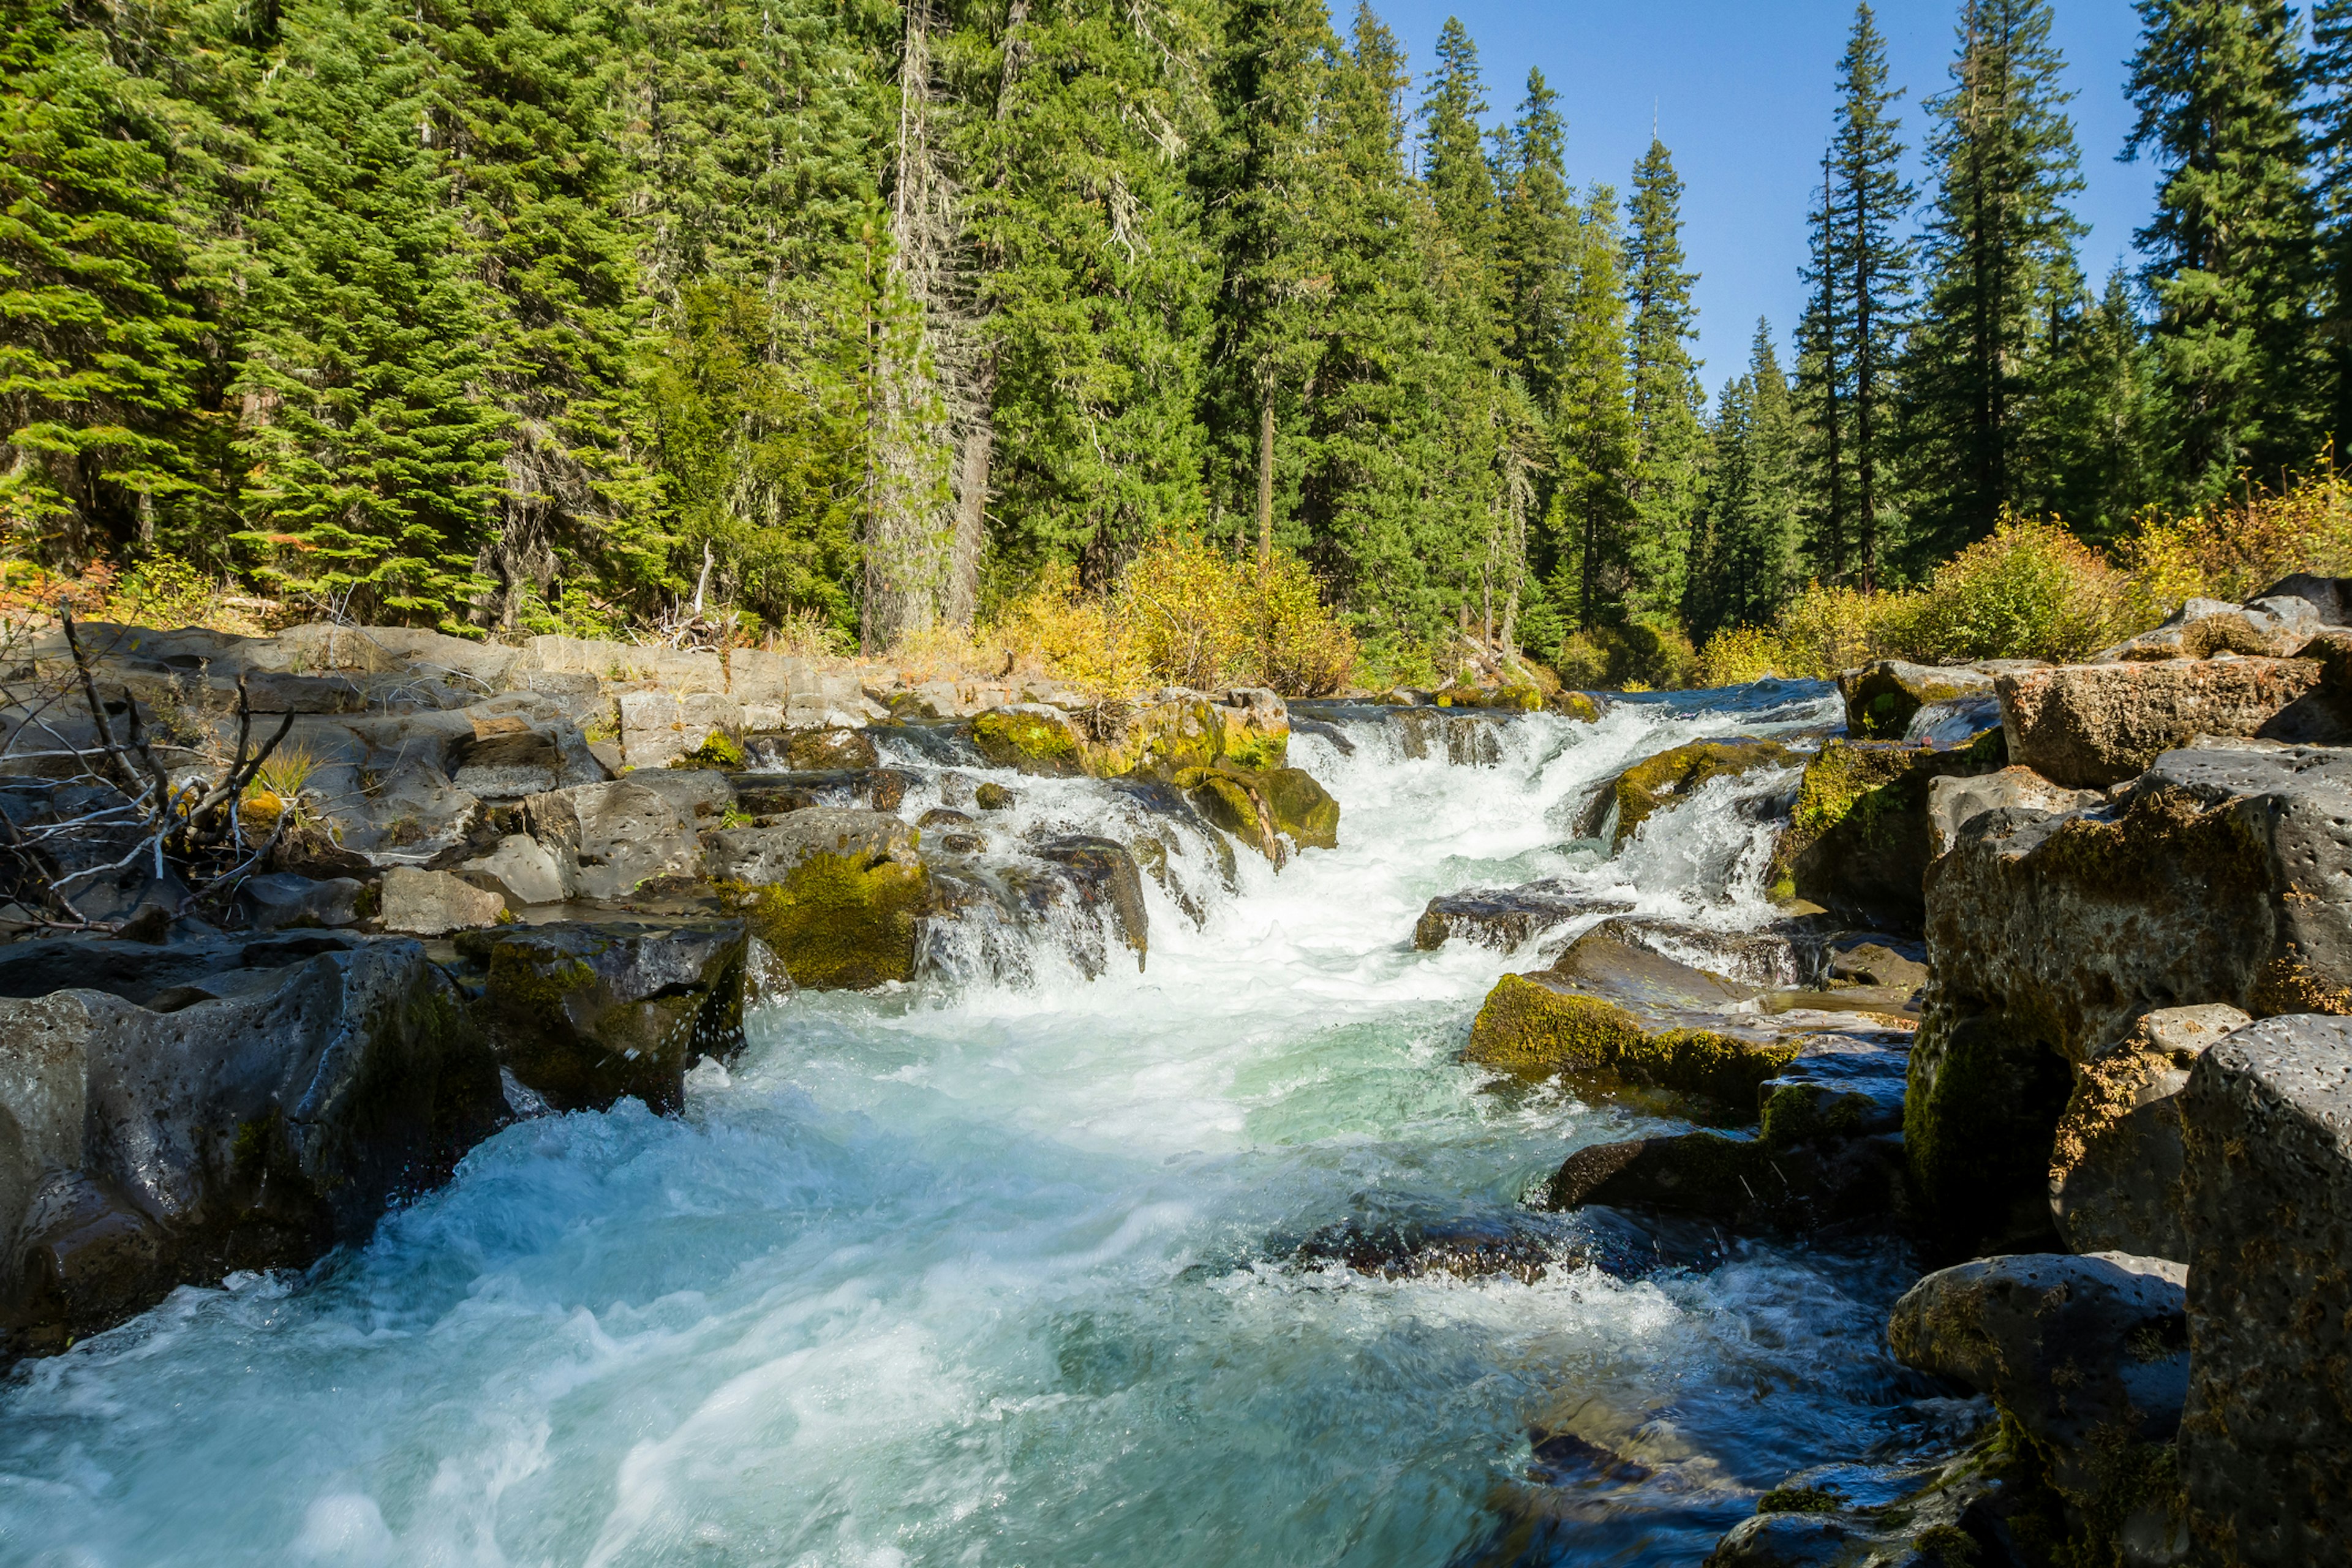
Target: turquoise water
point(1004, 1271)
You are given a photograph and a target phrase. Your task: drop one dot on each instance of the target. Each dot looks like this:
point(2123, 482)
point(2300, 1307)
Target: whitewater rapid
point(1001, 1268)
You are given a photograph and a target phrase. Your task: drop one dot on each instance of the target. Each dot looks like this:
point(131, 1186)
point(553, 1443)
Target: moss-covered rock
point(1657, 782)
point(1261, 809)
point(1576, 705)
point(841, 922)
point(1183, 731)
point(1861, 836)
point(1880, 698)
point(719, 752)
point(587, 1015)
point(1032, 738)
point(1532, 1029)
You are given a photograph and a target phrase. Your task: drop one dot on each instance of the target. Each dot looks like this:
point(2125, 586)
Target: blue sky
point(1743, 91)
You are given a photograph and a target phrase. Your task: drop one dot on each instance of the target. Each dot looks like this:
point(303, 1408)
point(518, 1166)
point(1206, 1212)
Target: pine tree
point(375, 476)
point(2229, 255)
point(99, 404)
point(2328, 70)
point(2099, 416)
point(1861, 274)
point(1748, 565)
point(1668, 404)
point(1536, 252)
point(1593, 428)
point(2000, 270)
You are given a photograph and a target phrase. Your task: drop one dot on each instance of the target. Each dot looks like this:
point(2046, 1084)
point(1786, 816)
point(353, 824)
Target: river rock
point(1862, 834)
point(247, 1105)
point(2226, 877)
point(1956, 799)
point(2266, 1447)
point(611, 838)
point(585, 1015)
point(2270, 627)
point(763, 855)
point(433, 903)
point(864, 789)
point(1463, 739)
point(1032, 738)
point(527, 871)
point(1268, 811)
point(2090, 1357)
point(829, 748)
point(1504, 918)
point(1110, 879)
point(1627, 801)
point(838, 896)
point(2116, 1162)
point(1880, 698)
point(283, 898)
point(2094, 725)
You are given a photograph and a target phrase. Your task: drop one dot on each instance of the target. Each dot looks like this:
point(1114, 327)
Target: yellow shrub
point(163, 592)
point(1300, 650)
point(2030, 591)
point(1190, 613)
point(2241, 547)
point(1736, 655)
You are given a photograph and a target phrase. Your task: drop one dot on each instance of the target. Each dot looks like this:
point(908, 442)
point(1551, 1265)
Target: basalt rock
point(214, 1107)
point(1464, 740)
point(2115, 1164)
point(1627, 801)
point(838, 896)
point(2089, 1357)
point(2268, 628)
point(1249, 731)
point(1740, 1182)
point(863, 789)
point(585, 1015)
point(2094, 725)
point(1268, 810)
point(281, 898)
point(613, 839)
point(433, 903)
point(1110, 879)
point(1032, 738)
point(1955, 800)
point(2266, 1443)
point(1504, 918)
point(2226, 877)
point(1862, 832)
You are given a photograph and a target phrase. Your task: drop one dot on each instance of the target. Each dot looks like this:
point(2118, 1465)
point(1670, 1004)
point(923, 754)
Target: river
point(1003, 1270)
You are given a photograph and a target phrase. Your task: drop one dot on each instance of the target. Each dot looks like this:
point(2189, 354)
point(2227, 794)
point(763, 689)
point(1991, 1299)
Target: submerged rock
point(584, 1015)
point(1504, 918)
point(1109, 878)
point(213, 1107)
point(2265, 1448)
point(2225, 877)
point(2094, 725)
point(1462, 739)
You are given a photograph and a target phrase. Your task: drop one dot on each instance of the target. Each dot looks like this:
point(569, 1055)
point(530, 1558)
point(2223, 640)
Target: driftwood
point(191, 832)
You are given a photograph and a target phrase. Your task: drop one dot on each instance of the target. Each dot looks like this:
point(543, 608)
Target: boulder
point(585, 1015)
point(828, 748)
point(1269, 810)
point(763, 855)
point(1627, 801)
point(2266, 1443)
point(2330, 597)
point(1504, 918)
point(2270, 628)
point(1031, 738)
point(1463, 739)
point(662, 724)
point(617, 836)
point(1881, 698)
point(433, 903)
point(1875, 964)
point(866, 789)
point(1741, 1182)
point(990, 795)
point(1109, 879)
point(1956, 799)
point(2090, 726)
point(2089, 1357)
point(283, 898)
point(1249, 731)
point(2225, 877)
point(217, 1106)
point(527, 871)
point(1860, 834)
point(2116, 1162)
point(1581, 706)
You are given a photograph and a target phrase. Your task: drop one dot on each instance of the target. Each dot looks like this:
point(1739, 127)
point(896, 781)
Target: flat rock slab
point(2094, 725)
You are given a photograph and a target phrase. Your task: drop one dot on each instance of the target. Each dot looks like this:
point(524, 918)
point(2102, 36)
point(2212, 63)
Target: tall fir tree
point(1262, 206)
point(1981, 363)
point(1592, 437)
point(1860, 274)
point(2100, 410)
point(1536, 250)
point(1668, 403)
point(2231, 252)
point(2327, 71)
point(1747, 566)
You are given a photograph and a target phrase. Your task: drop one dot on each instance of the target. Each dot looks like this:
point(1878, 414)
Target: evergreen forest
point(540, 315)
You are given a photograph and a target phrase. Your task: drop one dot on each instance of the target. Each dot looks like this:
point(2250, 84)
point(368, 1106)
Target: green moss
point(719, 750)
point(1533, 1031)
point(1648, 786)
point(1799, 1113)
point(1032, 742)
point(838, 925)
point(1256, 751)
point(1980, 1112)
point(1800, 1499)
point(1576, 705)
point(1946, 1546)
point(1257, 807)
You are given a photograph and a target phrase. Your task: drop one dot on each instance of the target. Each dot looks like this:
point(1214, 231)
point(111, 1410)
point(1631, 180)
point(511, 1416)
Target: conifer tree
point(1593, 428)
point(1999, 269)
point(2327, 69)
point(99, 358)
point(1861, 274)
point(1667, 402)
point(1536, 251)
point(2230, 252)
point(1264, 215)
point(2100, 414)
point(1747, 567)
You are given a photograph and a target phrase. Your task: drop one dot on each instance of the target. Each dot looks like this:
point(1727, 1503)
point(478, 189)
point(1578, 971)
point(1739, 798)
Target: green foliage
point(1668, 401)
point(1639, 656)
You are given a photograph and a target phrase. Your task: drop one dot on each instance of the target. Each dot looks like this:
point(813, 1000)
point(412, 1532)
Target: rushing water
point(1002, 1271)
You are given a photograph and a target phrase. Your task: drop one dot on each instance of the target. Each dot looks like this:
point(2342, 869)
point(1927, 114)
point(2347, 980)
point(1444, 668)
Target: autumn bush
point(2237, 548)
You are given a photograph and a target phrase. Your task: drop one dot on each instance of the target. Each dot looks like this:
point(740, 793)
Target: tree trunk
point(1266, 475)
